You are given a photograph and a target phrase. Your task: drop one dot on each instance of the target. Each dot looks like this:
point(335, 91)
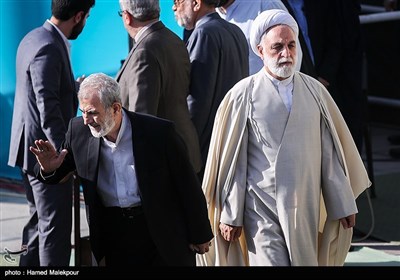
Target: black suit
point(172, 200)
point(334, 31)
point(335, 34)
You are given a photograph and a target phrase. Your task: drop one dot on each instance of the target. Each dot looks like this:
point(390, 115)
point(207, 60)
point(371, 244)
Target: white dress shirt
point(116, 182)
point(284, 88)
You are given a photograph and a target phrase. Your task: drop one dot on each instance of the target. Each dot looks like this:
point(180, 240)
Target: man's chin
point(285, 73)
point(95, 133)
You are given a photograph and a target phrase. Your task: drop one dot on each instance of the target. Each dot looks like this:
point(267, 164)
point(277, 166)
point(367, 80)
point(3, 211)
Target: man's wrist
point(46, 175)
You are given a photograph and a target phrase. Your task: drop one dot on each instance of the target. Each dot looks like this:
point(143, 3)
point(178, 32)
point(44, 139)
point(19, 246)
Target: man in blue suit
point(45, 101)
point(219, 57)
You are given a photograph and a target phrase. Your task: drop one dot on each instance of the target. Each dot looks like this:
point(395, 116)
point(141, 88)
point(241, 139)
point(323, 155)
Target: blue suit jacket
point(45, 94)
point(219, 56)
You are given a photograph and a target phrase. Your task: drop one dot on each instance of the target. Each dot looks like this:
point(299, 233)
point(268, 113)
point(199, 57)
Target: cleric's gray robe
point(311, 150)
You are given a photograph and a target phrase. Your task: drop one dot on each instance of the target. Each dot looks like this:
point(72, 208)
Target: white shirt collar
point(142, 30)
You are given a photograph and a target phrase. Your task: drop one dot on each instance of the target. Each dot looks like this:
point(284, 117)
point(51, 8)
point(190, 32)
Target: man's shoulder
point(77, 123)
point(38, 38)
point(163, 36)
point(218, 32)
point(244, 83)
point(218, 24)
point(236, 93)
point(313, 85)
point(148, 120)
point(307, 78)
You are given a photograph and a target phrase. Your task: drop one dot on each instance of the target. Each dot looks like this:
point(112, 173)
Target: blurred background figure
point(219, 57)
point(154, 78)
point(242, 13)
point(332, 35)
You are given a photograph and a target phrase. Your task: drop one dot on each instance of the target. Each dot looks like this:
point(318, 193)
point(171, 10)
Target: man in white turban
point(282, 172)
point(242, 13)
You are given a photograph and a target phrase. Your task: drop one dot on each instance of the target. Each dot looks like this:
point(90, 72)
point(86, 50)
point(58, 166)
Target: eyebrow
point(90, 111)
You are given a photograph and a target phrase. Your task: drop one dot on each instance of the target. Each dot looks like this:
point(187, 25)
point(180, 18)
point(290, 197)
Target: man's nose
point(87, 120)
point(286, 51)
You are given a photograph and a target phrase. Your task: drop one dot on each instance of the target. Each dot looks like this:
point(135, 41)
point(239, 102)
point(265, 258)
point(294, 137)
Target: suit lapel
point(139, 149)
point(125, 63)
point(93, 151)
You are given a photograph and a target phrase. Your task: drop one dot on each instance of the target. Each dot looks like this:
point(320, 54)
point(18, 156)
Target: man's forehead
point(92, 101)
point(279, 27)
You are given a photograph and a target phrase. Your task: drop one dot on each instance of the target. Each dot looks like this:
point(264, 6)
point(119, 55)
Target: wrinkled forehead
point(90, 101)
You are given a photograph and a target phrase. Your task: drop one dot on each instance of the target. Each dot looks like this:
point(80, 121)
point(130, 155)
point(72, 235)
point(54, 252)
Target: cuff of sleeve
point(47, 175)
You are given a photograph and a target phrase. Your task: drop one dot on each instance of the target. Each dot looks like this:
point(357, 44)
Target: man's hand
point(348, 222)
point(230, 233)
point(200, 248)
point(47, 155)
point(324, 82)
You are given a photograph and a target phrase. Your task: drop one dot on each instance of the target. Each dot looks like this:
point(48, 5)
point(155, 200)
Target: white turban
point(266, 20)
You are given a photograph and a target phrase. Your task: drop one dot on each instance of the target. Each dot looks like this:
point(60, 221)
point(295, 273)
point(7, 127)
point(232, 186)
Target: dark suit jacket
point(171, 196)
point(307, 66)
point(154, 79)
point(45, 94)
point(219, 55)
point(324, 32)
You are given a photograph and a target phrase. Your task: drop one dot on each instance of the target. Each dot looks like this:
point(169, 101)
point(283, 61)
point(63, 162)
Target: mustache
point(285, 60)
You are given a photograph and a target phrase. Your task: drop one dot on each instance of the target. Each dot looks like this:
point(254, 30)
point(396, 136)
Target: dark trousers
point(47, 234)
point(129, 242)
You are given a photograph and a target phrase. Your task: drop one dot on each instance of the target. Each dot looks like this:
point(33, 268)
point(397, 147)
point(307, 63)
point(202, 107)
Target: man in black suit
point(144, 202)
point(335, 46)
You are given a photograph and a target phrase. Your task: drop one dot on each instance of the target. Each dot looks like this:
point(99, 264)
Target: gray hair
point(141, 10)
point(105, 87)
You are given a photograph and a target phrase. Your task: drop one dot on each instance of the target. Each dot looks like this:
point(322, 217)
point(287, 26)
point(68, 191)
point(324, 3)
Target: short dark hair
point(213, 3)
point(65, 9)
point(222, 3)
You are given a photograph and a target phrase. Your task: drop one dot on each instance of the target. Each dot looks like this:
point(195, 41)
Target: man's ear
point(197, 5)
point(117, 107)
point(78, 17)
point(260, 51)
point(127, 18)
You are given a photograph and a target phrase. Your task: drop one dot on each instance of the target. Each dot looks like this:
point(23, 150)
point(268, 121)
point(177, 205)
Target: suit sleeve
point(338, 195)
point(66, 167)
point(204, 59)
point(233, 206)
point(46, 72)
point(145, 82)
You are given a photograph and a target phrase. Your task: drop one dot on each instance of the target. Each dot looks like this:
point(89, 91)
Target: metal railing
point(379, 17)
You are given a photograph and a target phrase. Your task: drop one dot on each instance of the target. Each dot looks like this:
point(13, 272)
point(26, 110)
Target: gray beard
point(282, 72)
point(105, 129)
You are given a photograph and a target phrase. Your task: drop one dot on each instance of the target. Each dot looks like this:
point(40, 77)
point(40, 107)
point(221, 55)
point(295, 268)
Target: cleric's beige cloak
point(228, 133)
